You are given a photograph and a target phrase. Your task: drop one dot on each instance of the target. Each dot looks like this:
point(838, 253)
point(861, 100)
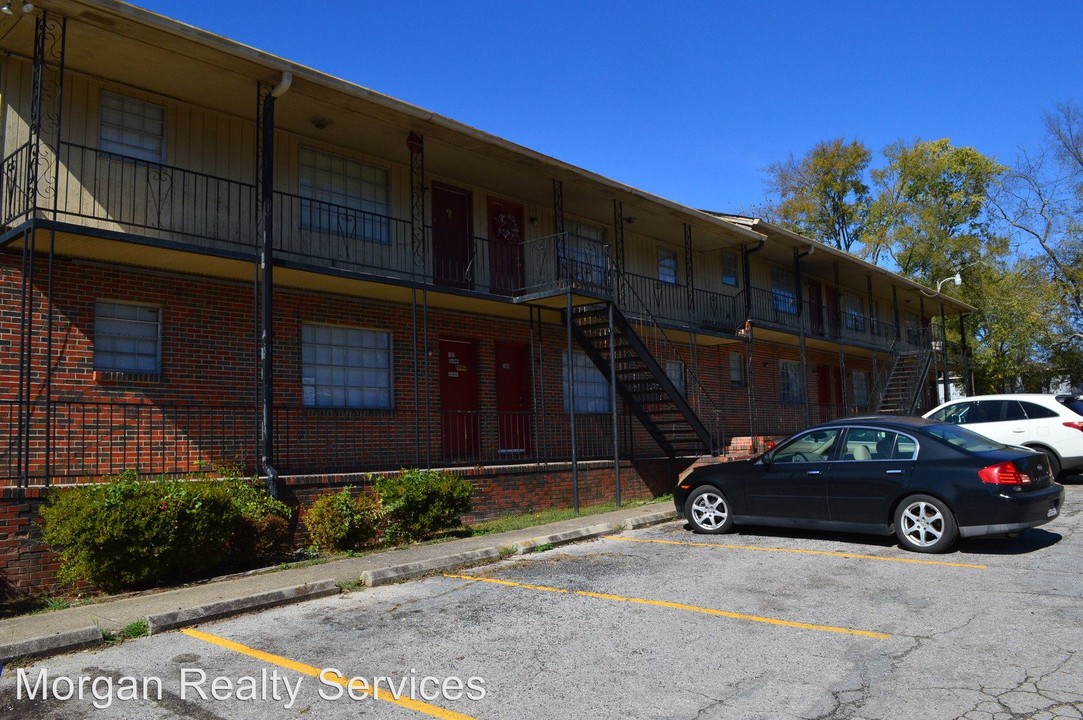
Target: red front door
point(459, 399)
point(452, 237)
point(505, 246)
point(513, 398)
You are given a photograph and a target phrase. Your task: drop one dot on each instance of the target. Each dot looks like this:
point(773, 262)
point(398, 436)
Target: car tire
point(708, 511)
point(924, 524)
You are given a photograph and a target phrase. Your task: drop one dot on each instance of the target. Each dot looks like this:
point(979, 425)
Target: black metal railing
point(89, 440)
point(117, 193)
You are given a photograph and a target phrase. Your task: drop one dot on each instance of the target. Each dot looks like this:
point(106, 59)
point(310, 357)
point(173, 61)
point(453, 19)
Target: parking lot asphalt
point(650, 623)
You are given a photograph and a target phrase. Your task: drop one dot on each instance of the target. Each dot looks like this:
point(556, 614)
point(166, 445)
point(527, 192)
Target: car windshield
point(963, 439)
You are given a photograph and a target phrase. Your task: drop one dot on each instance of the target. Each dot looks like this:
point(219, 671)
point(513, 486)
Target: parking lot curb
point(52, 644)
point(652, 519)
point(525, 546)
point(395, 573)
point(226, 608)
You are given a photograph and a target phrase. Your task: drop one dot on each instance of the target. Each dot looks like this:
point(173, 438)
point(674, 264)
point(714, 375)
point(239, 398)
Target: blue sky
point(689, 100)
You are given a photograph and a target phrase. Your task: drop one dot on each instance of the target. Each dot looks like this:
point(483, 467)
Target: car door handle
point(814, 472)
point(1019, 430)
point(893, 472)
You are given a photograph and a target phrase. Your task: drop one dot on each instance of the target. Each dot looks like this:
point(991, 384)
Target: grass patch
point(348, 586)
point(131, 631)
point(508, 523)
point(542, 548)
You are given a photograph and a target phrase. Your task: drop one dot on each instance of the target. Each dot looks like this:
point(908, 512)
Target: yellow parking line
point(676, 606)
point(304, 669)
point(830, 553)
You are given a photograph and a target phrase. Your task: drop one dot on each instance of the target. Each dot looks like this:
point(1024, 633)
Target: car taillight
point(1004, 473)
point(1075, 425)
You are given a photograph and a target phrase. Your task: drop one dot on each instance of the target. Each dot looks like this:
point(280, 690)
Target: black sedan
point(928, 482)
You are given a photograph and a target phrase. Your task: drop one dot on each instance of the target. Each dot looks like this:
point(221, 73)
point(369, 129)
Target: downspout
point(748, 279)
point(797, 256)
point(267, 266)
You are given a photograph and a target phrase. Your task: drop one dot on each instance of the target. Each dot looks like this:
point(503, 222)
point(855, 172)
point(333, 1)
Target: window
point(344, 197)
point(729, 268)
point(855, 313)
point(667, 265)
point(132, 128)
point(1035, 411)
point(127, 338)
point(793, 382)
point(812, 446)
point(584, 252)
point(675, 373)
point(737, 369)
point(591, 387)
point(861, 388)
point(345, 367)
point(783, 292)
point(875, 444)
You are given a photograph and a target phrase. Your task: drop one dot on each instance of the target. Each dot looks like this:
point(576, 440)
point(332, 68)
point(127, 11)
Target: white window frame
point(341, 196)
point(350, 368)
point(791, 382)
point(592, 390)
point(667, 266)
point(122, 327)
point(131, 128)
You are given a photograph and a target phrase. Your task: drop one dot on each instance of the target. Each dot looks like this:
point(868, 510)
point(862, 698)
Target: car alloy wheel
point(708, 511)
point(924, 524)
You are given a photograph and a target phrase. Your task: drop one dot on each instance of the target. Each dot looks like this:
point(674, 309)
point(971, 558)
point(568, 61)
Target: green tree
point(824, 195)
point(930, 217)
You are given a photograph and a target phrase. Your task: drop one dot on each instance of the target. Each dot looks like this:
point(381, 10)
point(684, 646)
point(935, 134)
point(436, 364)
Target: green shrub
point(263, 530)
point(340, 521)
point(421, 503)
point(133, 532)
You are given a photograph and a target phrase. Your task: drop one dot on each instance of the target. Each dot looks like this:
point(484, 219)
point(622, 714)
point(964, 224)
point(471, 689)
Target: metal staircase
point(903, 388)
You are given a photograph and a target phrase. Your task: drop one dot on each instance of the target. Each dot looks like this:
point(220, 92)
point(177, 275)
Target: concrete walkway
point(60, 631)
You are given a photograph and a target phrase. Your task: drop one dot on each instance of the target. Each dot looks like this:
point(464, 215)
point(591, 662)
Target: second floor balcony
point(122, 198)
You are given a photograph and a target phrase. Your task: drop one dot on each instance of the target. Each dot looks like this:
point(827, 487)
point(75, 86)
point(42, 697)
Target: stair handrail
point(624, 289)
point(883, 379)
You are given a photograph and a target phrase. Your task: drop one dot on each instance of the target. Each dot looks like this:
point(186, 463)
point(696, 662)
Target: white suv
point(1052, 424)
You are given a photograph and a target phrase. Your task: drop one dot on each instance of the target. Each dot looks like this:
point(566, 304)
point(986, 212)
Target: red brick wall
point(27, 567)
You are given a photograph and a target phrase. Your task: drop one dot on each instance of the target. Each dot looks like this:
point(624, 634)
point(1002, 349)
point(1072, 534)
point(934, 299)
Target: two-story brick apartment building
point(214, 255)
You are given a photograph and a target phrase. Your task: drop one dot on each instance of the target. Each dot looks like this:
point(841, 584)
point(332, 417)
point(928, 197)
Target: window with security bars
point(344, 367)
point(344, 197)
point(792, 382)
point(127, 338)
point(591, 387)
point(132, 128)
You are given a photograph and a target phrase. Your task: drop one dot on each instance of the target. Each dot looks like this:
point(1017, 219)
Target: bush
point(263, 530)
point(341, 521)
point(133, 532)
point(421, 503)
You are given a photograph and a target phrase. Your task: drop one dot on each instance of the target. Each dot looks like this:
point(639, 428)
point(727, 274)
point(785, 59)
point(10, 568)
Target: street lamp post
point(958, 280)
